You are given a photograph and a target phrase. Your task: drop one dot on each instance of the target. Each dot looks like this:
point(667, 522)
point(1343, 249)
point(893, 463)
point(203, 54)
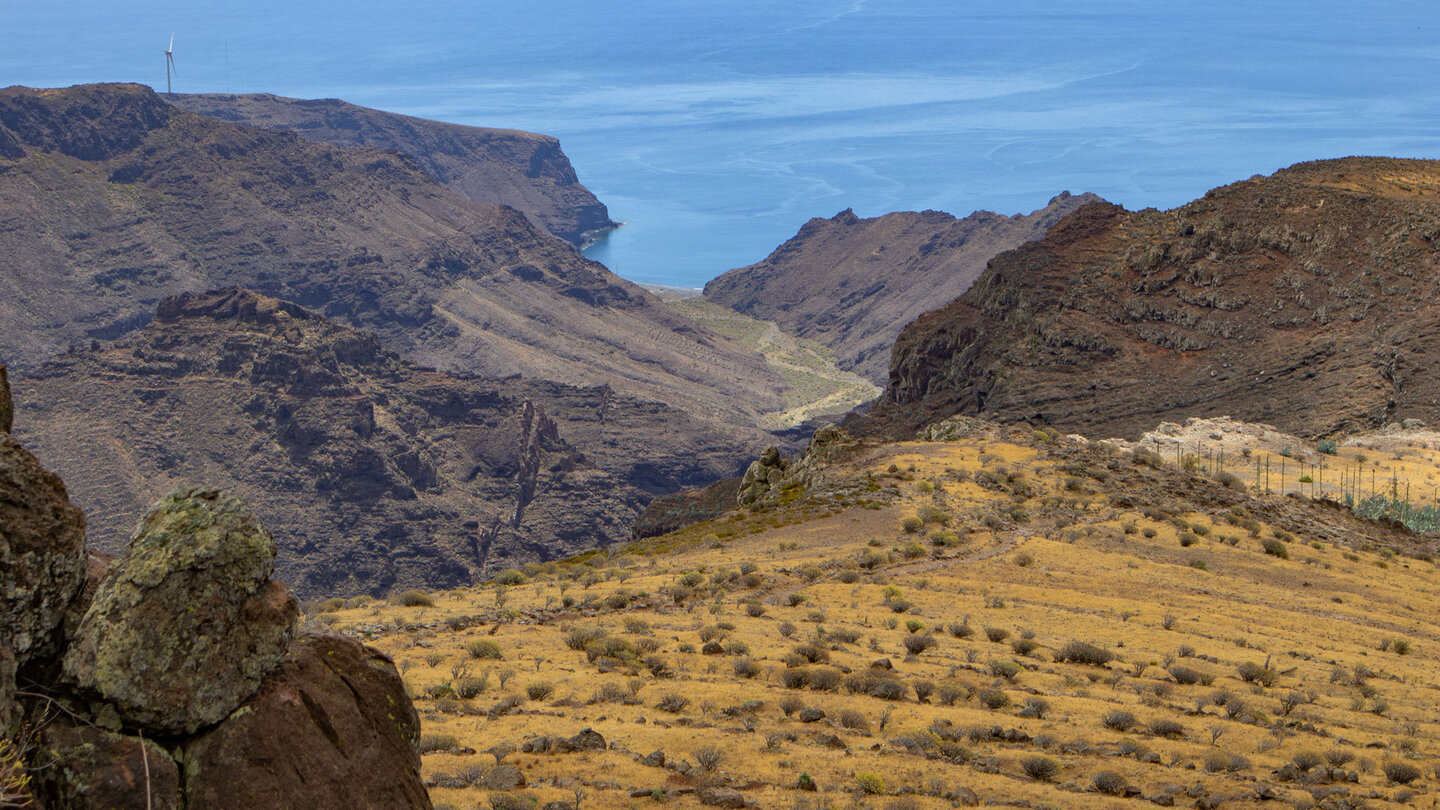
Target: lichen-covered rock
point(185, 626)
point(332, 728)
point(762, 473)
point(42, 553)
point(88, 768)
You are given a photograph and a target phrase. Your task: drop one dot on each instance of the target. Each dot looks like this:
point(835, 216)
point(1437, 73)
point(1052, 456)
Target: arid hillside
point(113, 200)
point(1306, 299)
point(374, 473)
point(982, 616)
point(852, 284)
point(523, 170)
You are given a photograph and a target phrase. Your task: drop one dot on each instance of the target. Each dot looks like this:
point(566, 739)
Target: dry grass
point(1074, 567)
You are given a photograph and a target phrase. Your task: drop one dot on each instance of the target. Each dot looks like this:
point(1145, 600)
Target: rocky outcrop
point(117, 201)
point(372, 473)
point(90, 768)
point(42, 554)
point(762, 474)
point(523, 170)
point(332, 701)
point(187, 624)
point(854, 283)
point(1305, 300)
point(182, 652)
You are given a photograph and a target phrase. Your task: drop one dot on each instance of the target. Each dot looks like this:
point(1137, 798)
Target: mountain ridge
point(854, 283)
point(1304, 299)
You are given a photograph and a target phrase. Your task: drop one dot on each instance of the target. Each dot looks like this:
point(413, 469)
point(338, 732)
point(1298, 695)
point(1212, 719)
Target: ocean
point(715, 130)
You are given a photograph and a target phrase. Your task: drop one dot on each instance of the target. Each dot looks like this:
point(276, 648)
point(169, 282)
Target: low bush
point(1111, 783)
point(673, 703)
point(1275, 548)
point(1039, 768)
point(870, 782)
point(484, 648)
point(1401, 773)
point(1118, 720)
point(993, 699)
point(414, 598)
point(1081, 652)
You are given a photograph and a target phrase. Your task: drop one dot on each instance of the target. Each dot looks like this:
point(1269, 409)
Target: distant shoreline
point(670, 292)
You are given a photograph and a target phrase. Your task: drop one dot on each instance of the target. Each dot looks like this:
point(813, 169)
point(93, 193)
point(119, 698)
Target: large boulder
point(332, 728)
point(90, 768)
point(186, 626)
point(42, 554)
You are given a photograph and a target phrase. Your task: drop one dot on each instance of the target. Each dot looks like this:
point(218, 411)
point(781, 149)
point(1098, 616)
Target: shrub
point(709, 758)
point(1275, 548)
point(1081, 652)
point(853, 720)
point(1001, 668)
point(917, 644)
point(1401, 773)
point(1118, 720)
point(539, 690)
point(470, 688)
point(484, 648)
point(673, 703)
point(786, 629)
point(414, 598)
point(993, 699)
point(948, 693)
point(510, 577)
point(912, 524)
point(1217, 761)
point(745, 668)
point(997, 634)
point(923, 689)
point(869, 781)
point(1187, 539)
point(795, 677)
point(1251, 672)
point(1024, 646)
point(813, 653)
point(511, 801)
point(1041, 769)
point(580, 637)
point(824, 679)
point(888, 689)
point(1327, 446)
point(1167, 728)
point(1035, 708)
point(430, 743)
point(960, 630)
point(1110, 783)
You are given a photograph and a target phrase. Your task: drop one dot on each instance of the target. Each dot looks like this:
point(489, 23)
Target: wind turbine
point(169, 63)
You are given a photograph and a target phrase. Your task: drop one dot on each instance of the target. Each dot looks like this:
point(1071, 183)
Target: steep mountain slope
point(994, 619)
point(523, 170)
point(111, 200)
point(1307, 300)
point(852, 284)
point(372, 472)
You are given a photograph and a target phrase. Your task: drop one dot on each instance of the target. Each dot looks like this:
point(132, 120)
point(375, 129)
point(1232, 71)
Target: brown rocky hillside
point(372, 472)
point(852, 284)
point(1306, 300)
point(113, 200)
point(523, 170)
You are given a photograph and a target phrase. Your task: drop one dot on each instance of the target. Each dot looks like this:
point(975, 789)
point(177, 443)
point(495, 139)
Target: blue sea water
point(715, 129)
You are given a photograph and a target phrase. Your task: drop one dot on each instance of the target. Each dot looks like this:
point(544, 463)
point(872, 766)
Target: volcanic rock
point(1305, 300)
point(523, 170)
point(332, 728)
point(186, 625)
point(852, 284)
point(94, 769)
point(42, 554)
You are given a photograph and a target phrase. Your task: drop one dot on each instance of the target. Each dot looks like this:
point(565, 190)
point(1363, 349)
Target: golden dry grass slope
point(999, 618)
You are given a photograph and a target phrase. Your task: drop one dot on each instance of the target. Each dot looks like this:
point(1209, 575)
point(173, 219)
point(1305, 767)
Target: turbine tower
point(169, 63)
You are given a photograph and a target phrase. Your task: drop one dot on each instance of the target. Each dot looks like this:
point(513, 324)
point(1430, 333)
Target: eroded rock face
point(331, 729)
point(7, 408)
point(94, 769)
point(42, 552)
point(187, 624)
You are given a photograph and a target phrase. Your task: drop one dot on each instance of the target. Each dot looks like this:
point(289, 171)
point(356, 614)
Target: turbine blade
point(172, 44)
